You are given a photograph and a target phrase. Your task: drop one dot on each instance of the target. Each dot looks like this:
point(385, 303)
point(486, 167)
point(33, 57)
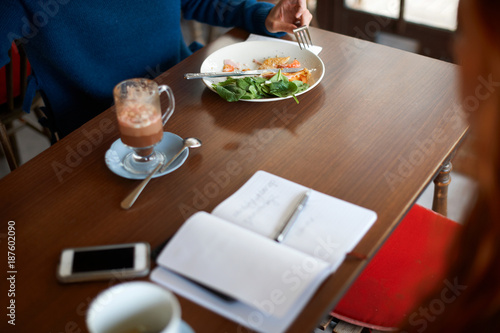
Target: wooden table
point(374, 133)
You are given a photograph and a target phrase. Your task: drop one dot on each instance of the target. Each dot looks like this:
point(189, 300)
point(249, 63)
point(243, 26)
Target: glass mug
point(141, 122)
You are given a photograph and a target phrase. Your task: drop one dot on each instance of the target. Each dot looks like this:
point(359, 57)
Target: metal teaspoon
point(130, 199)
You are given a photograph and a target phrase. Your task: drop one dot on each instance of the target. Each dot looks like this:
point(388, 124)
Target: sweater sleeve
point(246, 14)
point(11, 21)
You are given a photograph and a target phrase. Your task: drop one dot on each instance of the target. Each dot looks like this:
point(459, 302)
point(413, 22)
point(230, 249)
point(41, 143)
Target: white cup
point(134, 307)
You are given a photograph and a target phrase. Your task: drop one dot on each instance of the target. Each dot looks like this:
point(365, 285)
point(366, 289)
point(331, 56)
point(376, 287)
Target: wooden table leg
point(6, 144)
point(441, 182)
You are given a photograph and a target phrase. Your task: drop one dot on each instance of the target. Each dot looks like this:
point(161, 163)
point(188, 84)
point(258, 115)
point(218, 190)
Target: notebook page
point(261, 204)
point(241, 264)
point(327, 228)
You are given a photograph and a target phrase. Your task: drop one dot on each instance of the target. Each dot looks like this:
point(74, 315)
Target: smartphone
point(118, 261)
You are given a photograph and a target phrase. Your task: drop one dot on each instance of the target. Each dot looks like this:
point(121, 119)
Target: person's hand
point(288, 15)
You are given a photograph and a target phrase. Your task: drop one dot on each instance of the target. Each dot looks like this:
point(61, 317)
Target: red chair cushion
point(16, 75)
point(410, 264)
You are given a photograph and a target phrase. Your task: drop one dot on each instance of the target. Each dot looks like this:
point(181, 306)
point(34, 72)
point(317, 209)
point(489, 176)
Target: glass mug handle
point(171, 103)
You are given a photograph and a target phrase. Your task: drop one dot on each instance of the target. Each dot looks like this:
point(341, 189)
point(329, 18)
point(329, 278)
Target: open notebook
point(232, 251)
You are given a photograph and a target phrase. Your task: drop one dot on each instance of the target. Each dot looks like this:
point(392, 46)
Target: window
point(434, 13)
point(426, 27)
point(389, 8)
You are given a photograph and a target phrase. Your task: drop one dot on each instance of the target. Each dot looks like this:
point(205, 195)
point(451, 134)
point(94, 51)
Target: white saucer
point(185, 328)
point(170, 144)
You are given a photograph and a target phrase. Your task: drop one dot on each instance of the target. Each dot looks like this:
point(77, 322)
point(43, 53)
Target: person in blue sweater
point(79, 50)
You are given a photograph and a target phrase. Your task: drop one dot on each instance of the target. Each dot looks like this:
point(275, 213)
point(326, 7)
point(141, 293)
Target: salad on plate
point(268, 84)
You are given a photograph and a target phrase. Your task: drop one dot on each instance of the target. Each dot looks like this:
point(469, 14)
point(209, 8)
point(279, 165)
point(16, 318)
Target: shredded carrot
point(293, 64)
point(228, 68)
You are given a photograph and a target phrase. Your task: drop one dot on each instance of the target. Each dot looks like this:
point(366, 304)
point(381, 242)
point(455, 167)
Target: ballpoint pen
point(293, 217)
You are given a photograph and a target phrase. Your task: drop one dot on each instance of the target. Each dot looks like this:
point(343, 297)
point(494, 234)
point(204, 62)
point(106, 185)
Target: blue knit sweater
point(80, 49)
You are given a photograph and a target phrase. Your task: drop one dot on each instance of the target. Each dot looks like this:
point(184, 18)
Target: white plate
point(246, 52)
point(170, 144)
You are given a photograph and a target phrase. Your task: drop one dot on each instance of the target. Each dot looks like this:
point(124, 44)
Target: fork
point(303, 37)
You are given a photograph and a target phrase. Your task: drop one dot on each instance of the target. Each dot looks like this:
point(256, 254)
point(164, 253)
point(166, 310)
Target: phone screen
point(103, 260)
